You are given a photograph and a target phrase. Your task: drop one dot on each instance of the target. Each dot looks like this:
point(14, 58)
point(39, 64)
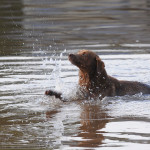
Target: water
point(35, 41)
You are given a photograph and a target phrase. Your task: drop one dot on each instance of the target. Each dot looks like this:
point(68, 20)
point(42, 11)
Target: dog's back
point(130, 87)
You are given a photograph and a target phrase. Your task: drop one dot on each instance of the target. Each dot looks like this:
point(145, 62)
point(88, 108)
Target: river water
point(35, 40)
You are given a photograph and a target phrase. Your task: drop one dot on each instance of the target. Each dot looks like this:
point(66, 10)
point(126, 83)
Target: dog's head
point(87, 61)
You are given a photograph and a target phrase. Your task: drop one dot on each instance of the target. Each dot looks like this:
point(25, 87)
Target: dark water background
point(35, 39)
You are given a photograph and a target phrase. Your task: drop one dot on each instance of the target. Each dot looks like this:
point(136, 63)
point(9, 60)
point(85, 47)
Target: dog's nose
point(71, 55)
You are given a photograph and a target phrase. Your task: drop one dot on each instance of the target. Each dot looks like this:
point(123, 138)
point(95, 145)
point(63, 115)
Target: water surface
point(35, 41)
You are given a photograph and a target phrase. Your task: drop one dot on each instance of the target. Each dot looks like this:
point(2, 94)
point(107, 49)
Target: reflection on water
point(93, 118)
point(34, 43)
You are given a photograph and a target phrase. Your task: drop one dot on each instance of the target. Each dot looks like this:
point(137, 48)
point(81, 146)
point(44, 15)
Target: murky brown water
point(35, 40)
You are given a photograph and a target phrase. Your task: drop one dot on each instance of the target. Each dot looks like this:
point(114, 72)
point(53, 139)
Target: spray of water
point(55, 80)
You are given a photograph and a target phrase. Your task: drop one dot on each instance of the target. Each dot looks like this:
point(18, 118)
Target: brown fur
point(95, 82)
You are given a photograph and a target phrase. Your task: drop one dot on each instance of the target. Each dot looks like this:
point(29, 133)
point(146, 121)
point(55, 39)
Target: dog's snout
point(72, 58)
point(71, 55)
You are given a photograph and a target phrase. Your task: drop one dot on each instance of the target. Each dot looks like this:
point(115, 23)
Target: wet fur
point(95, 82)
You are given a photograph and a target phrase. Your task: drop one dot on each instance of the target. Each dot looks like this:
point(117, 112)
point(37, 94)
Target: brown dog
point(94, 81)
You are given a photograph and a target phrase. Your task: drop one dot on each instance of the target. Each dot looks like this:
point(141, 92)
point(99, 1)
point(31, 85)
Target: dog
point(94, 82)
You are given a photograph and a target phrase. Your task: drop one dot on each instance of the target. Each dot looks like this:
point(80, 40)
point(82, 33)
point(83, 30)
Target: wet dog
point(94, 81)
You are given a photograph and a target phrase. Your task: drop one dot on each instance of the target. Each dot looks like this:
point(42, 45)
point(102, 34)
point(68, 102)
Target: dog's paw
point(49, 92)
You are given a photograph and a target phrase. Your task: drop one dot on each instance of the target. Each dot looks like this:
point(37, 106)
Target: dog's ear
point(100, 65)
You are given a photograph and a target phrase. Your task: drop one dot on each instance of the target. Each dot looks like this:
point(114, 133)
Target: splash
point(58, 79)
point(57, 73)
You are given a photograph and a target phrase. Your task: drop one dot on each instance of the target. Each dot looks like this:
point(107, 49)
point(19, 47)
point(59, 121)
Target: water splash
point(55, 78)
